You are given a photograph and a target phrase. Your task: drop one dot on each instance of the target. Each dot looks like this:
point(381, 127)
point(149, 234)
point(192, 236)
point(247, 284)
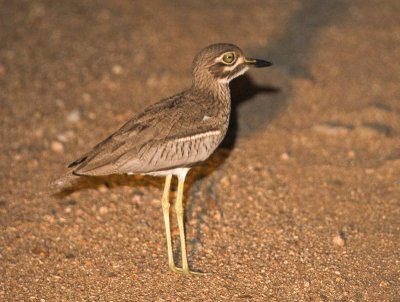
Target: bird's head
point(222, 62)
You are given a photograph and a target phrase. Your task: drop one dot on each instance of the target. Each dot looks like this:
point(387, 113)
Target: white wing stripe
point(197, 136)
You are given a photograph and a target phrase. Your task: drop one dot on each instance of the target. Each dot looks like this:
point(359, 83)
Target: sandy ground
point(301, 203)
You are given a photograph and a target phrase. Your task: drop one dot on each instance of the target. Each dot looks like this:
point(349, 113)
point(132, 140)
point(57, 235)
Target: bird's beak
point(257, 63)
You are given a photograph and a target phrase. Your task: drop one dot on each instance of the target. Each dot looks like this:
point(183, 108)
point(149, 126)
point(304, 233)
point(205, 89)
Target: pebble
point(217, 216)
point(331, 129)
point(351, 154)
point(60, 103)
point(67, 210)
point(338, 240)
point(369, 171)
point(69, 256)
point(224, 182)
point(155, 202)
point(137, 197)
point(285, 156)
point(57, 147)
point(74, 116)
point(117, 69)
point(48, 218)
point(87, 97)
point(38, 132)
point(102, 189)
point(91, 115)
point(103, 210)
point(66, 136)
point(38, 250)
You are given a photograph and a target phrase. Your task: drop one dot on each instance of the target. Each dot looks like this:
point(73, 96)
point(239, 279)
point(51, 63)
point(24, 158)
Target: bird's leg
point(179, 209)
point(165, 206)
point(179, 213)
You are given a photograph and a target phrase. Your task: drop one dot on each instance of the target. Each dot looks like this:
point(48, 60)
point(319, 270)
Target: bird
point(171, 136)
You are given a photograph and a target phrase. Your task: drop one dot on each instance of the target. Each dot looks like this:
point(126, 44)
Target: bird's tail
point(67, 179)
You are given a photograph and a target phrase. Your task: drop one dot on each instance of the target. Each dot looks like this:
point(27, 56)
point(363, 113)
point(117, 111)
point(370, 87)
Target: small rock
point(69, 256)
point(103, 210)
point(57, 147)
point(87, 97)
point(48, 218)
point(66, 136)
point(332, 129)
point(60, 103)
point(224, 182)
point(137, 196)
point(103, 189)
point(38, 132)
point(62, 220)
point(369, 171)
point(351, 154)
point(38, 250)
point(117, 69)
point(217, 216)
point(91, 115)
point(156, 202)
point(74, 116)
point(112, 275)
point(338, 240)
point(33, 163)
point(68, 210)
point(285, 156)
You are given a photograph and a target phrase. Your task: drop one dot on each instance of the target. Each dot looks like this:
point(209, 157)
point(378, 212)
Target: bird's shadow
point(263, 107)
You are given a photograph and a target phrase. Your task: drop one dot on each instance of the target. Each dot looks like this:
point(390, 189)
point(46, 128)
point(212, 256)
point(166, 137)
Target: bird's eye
point(229, 58)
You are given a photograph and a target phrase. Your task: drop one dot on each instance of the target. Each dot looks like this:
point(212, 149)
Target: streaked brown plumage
point(171, 136)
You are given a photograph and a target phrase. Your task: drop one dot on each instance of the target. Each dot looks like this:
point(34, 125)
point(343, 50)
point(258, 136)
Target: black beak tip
point(262, 63)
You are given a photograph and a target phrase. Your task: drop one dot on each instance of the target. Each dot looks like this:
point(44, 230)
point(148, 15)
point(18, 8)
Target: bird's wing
point(173, 117)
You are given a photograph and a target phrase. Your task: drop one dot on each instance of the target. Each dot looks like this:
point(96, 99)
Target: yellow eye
point(229, 58)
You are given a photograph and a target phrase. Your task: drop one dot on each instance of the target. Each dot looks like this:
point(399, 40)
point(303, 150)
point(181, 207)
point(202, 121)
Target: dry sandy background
point(300, 204)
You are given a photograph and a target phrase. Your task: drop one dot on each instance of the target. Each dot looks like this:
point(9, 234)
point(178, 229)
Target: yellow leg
point(179, 209)
point(165, 206)
point(179, 213)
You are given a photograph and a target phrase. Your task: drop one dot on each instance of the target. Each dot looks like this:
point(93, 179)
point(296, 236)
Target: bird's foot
point(186, 271)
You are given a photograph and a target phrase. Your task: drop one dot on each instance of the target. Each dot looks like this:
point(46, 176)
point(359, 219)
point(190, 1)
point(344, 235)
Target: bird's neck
point(217, 94)
point(217, 90)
